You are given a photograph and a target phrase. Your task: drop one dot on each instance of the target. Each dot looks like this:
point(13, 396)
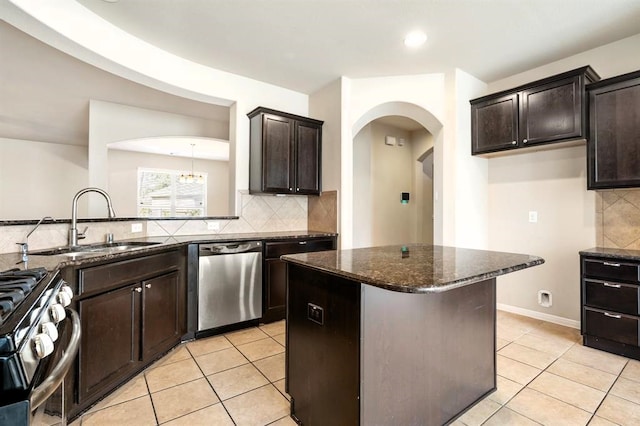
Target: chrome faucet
point(74, 235)
point(24, 247)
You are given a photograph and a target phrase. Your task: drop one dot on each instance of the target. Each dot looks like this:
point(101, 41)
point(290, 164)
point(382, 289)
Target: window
point(161, 194)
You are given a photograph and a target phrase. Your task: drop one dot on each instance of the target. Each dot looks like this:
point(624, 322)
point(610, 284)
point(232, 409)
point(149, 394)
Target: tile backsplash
point(259, 213)
point(618, 218)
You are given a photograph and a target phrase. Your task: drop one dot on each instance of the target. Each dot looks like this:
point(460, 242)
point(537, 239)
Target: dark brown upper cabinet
point(285, 153)
point(613, 154)
point(545, 111)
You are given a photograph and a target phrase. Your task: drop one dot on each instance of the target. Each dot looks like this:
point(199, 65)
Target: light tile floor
point(545, 376)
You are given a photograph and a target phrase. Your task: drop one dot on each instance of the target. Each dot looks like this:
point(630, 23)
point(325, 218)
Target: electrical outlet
point(136, 227)
point(533, 217)
point(213, 226)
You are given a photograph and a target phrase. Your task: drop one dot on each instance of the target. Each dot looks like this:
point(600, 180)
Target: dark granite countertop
point(612, 253)
point(415, 268)
point(51, 263)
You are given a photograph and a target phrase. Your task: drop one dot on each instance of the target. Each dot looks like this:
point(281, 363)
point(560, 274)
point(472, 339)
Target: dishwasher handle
point(217, 249)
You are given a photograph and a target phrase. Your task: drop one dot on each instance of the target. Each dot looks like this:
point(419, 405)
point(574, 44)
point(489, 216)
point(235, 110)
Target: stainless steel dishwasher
point(229, 283)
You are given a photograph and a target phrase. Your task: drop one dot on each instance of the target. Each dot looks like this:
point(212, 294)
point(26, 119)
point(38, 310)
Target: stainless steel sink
point(85, 250)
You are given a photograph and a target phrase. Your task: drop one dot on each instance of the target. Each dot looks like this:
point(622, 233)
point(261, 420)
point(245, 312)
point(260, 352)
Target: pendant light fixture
point(191, 177)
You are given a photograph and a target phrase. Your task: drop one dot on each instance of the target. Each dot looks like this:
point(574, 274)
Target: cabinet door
point(275, 290)
point(494, 124)
point(308, 154)
point(614, 136)
point(277, 167)
point(163, 314)
point(552, 111)
point(109, 348)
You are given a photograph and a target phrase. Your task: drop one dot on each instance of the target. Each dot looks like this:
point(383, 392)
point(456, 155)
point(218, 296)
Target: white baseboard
point(539, 315)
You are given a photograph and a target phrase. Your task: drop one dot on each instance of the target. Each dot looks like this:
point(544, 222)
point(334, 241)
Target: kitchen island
point(392, 335)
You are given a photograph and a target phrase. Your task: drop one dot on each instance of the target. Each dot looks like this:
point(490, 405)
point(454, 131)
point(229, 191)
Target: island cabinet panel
point(323, 328)
point(360, 354)
point(610, 304)
point(132, 311)
point(438, 345)
point(613, 154)
point(275, 271)
point(545, 111)
point(285, 153)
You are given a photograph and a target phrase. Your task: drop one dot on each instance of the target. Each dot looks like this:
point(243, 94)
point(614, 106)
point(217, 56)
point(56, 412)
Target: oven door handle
point(51, 383)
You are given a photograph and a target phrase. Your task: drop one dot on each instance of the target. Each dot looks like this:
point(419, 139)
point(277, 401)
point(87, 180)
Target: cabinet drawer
point(275, 250)
point(612, 326)
point(613, 296)
point(611, 270)
point(112, 275)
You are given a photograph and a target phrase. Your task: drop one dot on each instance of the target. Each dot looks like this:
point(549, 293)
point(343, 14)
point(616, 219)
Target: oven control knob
point(50, 330)
point(42, 345)
point(66, 289)
point(63, 298)
point(57, 313)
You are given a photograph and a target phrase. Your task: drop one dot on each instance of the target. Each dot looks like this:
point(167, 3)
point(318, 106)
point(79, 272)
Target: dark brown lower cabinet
point(132, 312)
point(275, 271)
point(109, 345)
point(610, 304)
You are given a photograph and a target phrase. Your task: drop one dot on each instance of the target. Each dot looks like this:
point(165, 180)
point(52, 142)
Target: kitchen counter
point(392, 335)
point(612, 253)
point(415, 268)
point(51, 263)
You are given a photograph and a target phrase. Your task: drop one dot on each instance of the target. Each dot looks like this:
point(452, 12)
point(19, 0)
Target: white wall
point(25, 165)
point(553, 183)
point(470, 173)
point(362, 184)
point(422, 155)
point(123, 175)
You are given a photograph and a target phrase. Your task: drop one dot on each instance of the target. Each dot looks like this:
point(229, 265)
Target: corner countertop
point(612, 253)
point(52, 263)
point(415, 268)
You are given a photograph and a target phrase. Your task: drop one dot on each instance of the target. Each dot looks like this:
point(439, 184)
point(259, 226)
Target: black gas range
point(33, 357)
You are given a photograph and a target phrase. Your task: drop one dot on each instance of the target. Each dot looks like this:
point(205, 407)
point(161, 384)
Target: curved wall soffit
point(406, 109)
point(80, 49)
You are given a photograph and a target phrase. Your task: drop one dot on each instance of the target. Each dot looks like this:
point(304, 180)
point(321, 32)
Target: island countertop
point(415, 268)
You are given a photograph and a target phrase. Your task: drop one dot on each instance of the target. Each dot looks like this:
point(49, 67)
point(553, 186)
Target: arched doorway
point(392, 183)
point(351, 212)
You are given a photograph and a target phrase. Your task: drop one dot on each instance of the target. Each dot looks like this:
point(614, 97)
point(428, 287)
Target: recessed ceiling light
point(415, 39)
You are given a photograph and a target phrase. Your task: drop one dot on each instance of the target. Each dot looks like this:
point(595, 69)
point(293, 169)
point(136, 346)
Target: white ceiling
point(305, 44)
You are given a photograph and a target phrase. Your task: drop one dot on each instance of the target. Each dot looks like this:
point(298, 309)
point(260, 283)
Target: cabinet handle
point(138, 289)
point(612, 285)
point(147, 285)
point(607, 314)
point(297, 189)
point(302, 242)
point(524, 141)
point(514, 143)
point(615, 265)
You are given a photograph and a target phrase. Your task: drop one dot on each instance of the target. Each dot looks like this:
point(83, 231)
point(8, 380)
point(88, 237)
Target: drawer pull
point(615, 265)
point(612, 285)
point(302, 242)
point(607, 314)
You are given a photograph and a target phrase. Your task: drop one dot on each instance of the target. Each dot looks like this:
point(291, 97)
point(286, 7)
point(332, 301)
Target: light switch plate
point(213, 226)
point(533, 217)
point(136, 227)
